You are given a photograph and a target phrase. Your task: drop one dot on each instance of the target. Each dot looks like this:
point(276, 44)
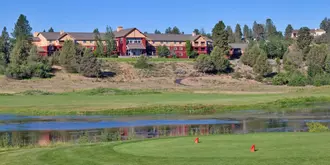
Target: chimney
point(119, 28)
point(35, 34)
point(61, 32)
point(193, 34)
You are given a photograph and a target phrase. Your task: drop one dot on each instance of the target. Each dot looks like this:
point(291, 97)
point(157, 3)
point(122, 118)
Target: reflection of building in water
point(43, 138)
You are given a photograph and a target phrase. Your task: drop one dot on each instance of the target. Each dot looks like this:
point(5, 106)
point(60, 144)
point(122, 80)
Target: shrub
point(317, 55)
point(163, 51)
point(321, 79)
point(18, 71)
point(142, 62)
point(54, 59)
point(220, 63)
point(250, 56)
point(317, 127)
point(237, 75)
point(327, 64)
point(280, 79)
point(313, 70)
point(36, 92)
point(297, 79)
point(68, 58)
point(204, 64)
point(293, 59)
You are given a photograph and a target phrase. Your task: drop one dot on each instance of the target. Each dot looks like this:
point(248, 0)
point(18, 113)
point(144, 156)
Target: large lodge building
point(130, 42)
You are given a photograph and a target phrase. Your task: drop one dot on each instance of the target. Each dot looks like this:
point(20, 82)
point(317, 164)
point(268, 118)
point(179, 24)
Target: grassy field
point(114, 101)
point(150, 59)
point(273, 149)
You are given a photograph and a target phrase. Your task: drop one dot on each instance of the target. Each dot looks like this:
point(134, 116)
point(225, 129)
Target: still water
point(42, 130)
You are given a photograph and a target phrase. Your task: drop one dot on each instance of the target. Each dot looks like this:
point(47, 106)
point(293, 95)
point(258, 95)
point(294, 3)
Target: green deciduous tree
point(231, 36)
point(288, 31)
point(110, 41)
point(163, 51)
point(275, 47)
point(325, 25)
point(238, 33)
point(220, 37)
point(22, 29)
point(188, 48)
point(51, 29)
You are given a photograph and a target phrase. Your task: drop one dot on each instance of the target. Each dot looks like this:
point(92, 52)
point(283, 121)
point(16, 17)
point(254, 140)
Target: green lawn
point(273, 149)
point(85, 102)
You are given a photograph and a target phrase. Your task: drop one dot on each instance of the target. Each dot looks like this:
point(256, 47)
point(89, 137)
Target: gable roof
point(174, 37)
point(50, 35)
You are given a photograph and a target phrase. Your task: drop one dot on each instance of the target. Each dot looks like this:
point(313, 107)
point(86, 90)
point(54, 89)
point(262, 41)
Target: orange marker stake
point(197, 140)
point(253, 148)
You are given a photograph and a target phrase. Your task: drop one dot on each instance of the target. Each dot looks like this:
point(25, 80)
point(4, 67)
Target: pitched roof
point(174, 37)
point(51, 35)
point(123, 32)
point(135, 46)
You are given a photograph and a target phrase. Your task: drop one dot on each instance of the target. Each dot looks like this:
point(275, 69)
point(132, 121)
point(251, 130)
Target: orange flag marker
point(197, 140)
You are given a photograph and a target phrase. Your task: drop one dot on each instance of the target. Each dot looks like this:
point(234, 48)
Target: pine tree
point(231, 37)
point(168, 30)
point(202, 32)
point(325, 25)
point(110, 41)
point(288, 31)
point(90, 66)
point(304, 39)
point(5, 47)
point(258, 31)
point(246, 32)
point(51, 29)
point(188, 48)
point(262, 66)
point(157, 32)
point(38, 65)
point(197, 32)
point(238, 33)
point(99, 51)
point(22, 29)
point(220, 63)
point(270, 28)
point(68, 56)
point(220, 37)
point(175, 30)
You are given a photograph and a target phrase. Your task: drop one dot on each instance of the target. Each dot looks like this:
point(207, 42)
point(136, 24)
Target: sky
point(148, 15)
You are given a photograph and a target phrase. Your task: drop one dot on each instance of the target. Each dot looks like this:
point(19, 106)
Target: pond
point(43, 130)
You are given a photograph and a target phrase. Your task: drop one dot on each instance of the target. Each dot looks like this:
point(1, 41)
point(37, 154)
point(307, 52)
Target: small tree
point(188, 48)
point(90, 66)
point(231, 36)
point(204, 64)
point(275, 47)
point(220, 37)
point(99, 51)
point(68, 56)
point(304, 39)
point(262, 66)
point(51, 29)
point(221, 64)
point(293, 59)
point(5, 47)
point(288, 31)
point(39, 65)
point(110, 41)
point(238, 33)
point(317, 55)
point(163, 51)
point(22, 29)
point(250, 56)
point(142, 63)
point(327, 64)
point(246, 32)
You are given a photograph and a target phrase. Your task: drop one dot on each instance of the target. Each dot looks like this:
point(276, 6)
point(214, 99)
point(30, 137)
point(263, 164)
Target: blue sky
point(148, 15)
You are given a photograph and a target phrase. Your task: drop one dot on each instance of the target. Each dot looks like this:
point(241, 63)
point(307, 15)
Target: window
point(180, 42)
point(50, 41)
point(181, 48)
point(175, 48)
point(202, 49)
point(161, 42)
point(84, 42)
point(196, 43)
point(91, 42)
point(203, 43)
point(174, 42)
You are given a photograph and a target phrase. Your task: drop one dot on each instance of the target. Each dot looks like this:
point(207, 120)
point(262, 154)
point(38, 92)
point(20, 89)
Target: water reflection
point(27, 130)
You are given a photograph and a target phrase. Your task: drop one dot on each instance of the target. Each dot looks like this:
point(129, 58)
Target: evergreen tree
point(317, 55)
point(293, 59)
point(250, 33)
point(238, 33)
point(175, 30)
point(197, 32)
point(262, 66)
point(163, 51)
point(288, 31)
point(325, 25)
point(251, 55)
point(90, 66)
point(188, 48)
point(168, 30)
point(304, 39)
point(270, 28)
point(22, 29)
point(202, 32)
point(44, 31)
point(246, 32)
point(5, 47)
point(220, 63)
point(51, 29)
point(231, 37)
point(99, 50)
point(109, 38)
point(157, 32)
point(68, 56)
point(220, 37)
point(258, 31)
point(38, 65)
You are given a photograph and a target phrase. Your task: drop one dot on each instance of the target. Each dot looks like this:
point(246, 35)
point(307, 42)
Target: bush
point(314, 70)
point(54, 59)
point(36, 92)
point(280, 79)
point(262, 66)
point(293, 59)
point(237, 75)
point(297, 79)
point(250, 56)
point(68, 57)
point(321, 79)
point(142, 62)
point(18, 71)
point(204, 64)
point(220, 63)
point(317, 127)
